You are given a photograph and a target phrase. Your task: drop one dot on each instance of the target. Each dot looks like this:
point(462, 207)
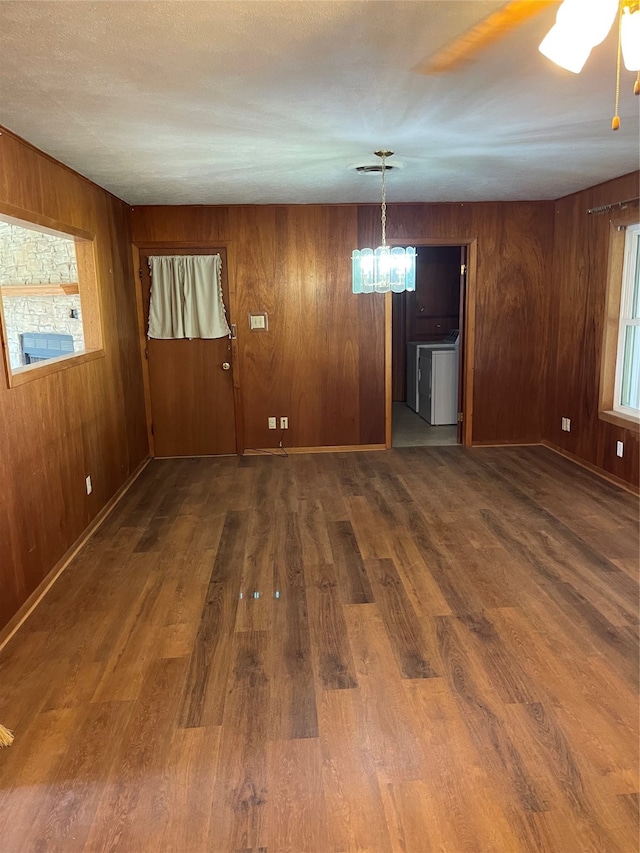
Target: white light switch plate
point(258, 322)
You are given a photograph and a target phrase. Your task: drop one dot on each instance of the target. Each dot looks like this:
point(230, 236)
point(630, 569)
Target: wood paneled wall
point(514, 241)
point(85, 420)
point(576, 317)
point(321, 362)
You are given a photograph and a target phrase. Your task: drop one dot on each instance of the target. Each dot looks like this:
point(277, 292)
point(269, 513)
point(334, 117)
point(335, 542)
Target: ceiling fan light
point(596, 19)
point(630, 38)
point(588, 20)
point(580, 26)
point(566, 51)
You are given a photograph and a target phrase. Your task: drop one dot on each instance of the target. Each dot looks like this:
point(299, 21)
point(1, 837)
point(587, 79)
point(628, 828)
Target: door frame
point(149, 245)
point(468, 332)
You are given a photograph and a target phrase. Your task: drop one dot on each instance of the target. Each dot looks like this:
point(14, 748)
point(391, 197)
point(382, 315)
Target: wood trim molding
point(235, 349)
point(142, 338)
point(9, 290)
point(31, 372)
point(617, 481)
point(39, 222)
point(620, 420)
point(45, 585)
point(146, 245)
point(338, 448)
point(90, 293)
point(388, 370)
point(514, 443)
point(469, 341)
point(4, 340)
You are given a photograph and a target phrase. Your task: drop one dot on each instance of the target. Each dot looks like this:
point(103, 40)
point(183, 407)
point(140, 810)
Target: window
point(620, 373)
point(626, 397)
point(50, 317)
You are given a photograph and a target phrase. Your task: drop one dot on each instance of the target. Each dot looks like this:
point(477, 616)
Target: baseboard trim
point(505, 444)
point(589, 466)
point(21, 616)
point(337, 448)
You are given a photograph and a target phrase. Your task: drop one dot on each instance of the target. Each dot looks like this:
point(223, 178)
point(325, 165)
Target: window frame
point(613, 342)
point(86, 257)
point(630, 264)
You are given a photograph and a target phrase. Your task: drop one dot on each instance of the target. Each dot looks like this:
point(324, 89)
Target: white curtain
point(186, 297)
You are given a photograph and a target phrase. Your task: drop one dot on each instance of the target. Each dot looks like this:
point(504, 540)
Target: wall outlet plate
point(272, 423)
point(619, 448)
point(88, 484)
point(284, 423)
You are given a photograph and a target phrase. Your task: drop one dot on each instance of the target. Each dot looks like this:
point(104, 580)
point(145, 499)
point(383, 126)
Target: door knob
point(225, 365)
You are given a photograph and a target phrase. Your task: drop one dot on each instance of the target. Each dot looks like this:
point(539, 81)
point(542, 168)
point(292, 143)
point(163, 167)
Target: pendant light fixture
point(384, 269)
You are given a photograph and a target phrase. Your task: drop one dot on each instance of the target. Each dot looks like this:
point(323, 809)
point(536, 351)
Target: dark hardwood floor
point(429, 649)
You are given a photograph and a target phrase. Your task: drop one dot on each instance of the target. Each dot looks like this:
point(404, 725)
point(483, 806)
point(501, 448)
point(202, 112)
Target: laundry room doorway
point(429, 373)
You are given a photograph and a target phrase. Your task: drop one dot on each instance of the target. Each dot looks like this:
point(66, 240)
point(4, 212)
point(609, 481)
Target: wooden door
point(192, 395)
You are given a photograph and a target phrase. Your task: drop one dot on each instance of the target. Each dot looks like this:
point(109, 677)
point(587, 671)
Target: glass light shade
point(560, 48)
point(630, 38)
point(383, 270)
point(580, 26)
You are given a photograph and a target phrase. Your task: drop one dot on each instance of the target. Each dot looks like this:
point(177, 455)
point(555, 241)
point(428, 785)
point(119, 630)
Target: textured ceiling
point(272, 102)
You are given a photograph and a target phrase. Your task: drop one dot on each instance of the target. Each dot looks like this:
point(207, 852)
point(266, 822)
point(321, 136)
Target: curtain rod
point(605, 208)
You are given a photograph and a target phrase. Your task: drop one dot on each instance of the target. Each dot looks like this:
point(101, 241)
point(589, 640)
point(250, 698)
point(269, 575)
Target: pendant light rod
point(383, 212)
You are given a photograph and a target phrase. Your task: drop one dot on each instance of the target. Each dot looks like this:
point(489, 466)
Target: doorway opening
point(427, 351)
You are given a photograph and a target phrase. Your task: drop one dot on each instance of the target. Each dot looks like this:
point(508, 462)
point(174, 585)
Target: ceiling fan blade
point(490, 30)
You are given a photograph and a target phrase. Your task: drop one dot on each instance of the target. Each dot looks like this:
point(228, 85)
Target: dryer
point(438, 386)
point(414, 351)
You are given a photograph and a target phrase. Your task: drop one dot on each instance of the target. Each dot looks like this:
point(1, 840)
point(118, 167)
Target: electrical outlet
point(89, 485)
point(619, 448)
point(272, 423)
point(284, 423)
point(566, 424)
